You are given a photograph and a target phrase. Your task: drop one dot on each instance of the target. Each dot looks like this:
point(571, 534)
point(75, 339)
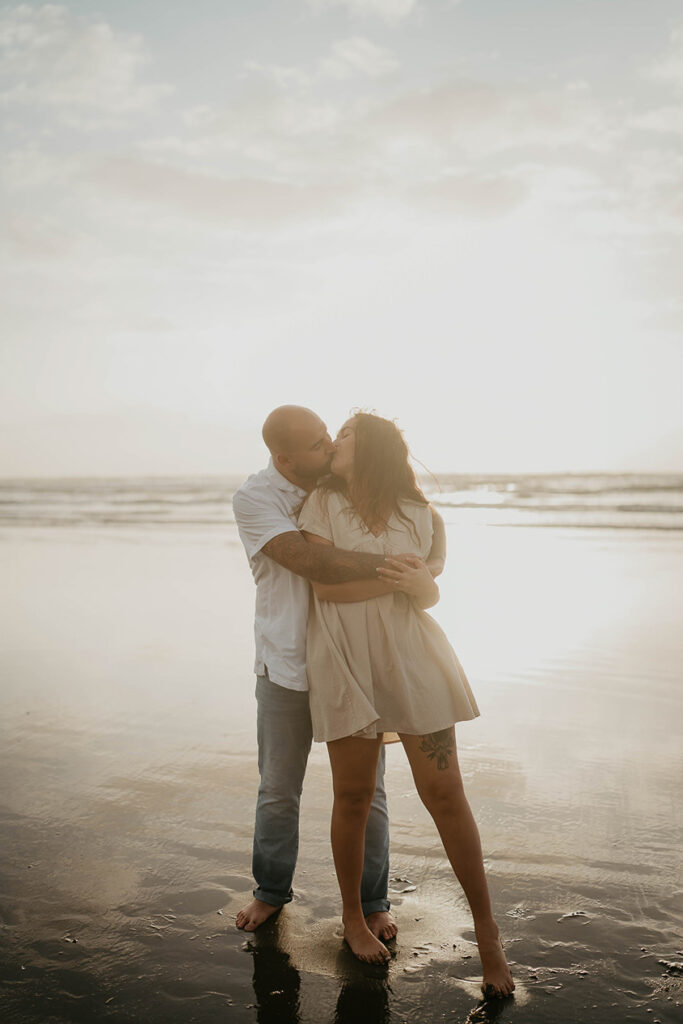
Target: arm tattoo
point(438, 746)
point(320, 562)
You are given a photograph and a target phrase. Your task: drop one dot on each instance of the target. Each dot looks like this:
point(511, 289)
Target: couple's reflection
point(363, 996)
point(276, 985)
point(363, 1001)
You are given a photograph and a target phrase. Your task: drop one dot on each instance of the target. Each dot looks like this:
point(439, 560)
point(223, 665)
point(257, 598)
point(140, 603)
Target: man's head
point(299, 443)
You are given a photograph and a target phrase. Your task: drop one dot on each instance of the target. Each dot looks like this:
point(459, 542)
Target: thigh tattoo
point(438, 746)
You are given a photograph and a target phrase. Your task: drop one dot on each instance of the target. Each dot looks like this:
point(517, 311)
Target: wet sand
point(129, 779)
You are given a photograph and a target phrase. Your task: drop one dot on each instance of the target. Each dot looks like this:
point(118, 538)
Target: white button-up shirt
point(264, 508)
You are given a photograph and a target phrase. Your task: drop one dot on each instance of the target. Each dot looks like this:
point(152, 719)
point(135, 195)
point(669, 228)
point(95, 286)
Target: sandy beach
point(129, 777)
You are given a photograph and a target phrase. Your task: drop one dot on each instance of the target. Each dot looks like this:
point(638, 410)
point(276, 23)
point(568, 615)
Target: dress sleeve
point(315, 517)
point(428, 535)
point(421, 518)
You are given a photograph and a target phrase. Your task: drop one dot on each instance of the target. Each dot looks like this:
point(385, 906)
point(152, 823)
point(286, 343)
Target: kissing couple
point(344, 549)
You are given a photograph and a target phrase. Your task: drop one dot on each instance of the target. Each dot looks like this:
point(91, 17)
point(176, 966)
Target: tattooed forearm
point(345, 566)
point(438, 746)
point(321, 563)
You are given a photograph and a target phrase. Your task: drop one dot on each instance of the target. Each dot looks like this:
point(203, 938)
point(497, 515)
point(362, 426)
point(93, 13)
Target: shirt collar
point(281, 482)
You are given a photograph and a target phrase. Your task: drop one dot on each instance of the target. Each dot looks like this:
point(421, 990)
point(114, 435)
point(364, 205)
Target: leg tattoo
point(438, 745)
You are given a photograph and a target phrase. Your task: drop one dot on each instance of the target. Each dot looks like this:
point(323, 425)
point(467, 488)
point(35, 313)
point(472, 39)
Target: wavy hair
point(382, 474)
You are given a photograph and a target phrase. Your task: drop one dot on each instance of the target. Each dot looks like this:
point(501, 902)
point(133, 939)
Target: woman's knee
point(353, 797)
point(443, 796)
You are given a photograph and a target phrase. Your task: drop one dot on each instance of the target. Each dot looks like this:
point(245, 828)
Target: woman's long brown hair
point(382, 474)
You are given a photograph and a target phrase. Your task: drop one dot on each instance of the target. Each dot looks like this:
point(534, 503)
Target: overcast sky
point(466, 215)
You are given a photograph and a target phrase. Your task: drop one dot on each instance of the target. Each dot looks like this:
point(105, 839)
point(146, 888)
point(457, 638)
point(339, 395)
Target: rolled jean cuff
point(375, 906)
point(271, 899)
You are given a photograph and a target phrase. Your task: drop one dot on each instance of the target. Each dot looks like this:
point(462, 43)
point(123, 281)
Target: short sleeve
point(428, 534)
point(314, 516)
point(259, 521)
point(422, 532)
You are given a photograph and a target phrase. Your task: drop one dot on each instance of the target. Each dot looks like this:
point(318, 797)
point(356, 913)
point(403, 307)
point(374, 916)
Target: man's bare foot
point(254, 914)
point(364, 945)
point(497, 981)
point(382, 925)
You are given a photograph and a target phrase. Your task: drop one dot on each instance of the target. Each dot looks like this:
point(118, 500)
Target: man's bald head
point(299, 443)
point(287, 426)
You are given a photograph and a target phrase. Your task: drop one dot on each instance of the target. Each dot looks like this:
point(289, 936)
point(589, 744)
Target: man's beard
point(315, 474)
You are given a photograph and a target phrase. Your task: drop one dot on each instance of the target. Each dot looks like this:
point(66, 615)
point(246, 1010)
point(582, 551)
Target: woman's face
point(344, 448)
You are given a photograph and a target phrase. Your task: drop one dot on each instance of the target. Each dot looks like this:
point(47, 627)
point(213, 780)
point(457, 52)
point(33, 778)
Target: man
point(282, 563)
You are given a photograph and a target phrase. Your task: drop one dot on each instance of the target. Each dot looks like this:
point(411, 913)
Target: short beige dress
point(382, 665)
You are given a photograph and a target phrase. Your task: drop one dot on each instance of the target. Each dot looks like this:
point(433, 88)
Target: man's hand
point(410, 575)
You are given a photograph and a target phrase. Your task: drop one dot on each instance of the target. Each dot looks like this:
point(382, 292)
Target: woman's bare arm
point(436, 559)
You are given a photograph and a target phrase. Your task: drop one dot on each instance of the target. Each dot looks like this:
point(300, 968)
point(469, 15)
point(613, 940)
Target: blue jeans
point(284, 733)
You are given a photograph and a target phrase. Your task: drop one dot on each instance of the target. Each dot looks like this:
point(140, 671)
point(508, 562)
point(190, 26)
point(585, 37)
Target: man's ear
point(282, 460)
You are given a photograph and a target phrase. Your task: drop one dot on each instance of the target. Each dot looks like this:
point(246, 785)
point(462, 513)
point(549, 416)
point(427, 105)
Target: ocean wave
point(635, 501)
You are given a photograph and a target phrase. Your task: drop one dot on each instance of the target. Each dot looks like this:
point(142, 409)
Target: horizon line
point(10, 478)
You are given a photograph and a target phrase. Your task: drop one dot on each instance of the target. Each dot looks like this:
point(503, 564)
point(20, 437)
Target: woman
point(379, 665)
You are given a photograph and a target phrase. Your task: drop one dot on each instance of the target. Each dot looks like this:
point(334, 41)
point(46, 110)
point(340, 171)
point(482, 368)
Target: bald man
point(282, 563)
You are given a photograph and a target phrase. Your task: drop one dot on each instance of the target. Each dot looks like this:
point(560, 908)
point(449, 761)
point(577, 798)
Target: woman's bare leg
point(434, 763)
point(354, 776)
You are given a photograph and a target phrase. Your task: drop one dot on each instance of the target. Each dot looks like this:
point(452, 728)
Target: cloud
point(239, 202)
point(388, 10)
point(266, 131)
point(470, 195)
point(349, 56)
point(36, 237)
point(480, 118)
point(58, 60)
point(669, 67)
point(284, 77)
point(30, 167)
point(663, 121)
point(650, 166)
point(301, 133)
point(463, 147)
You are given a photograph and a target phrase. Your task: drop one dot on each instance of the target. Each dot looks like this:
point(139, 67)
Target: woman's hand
point(410, 575)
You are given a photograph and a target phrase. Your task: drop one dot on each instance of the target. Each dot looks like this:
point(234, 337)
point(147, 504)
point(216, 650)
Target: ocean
point(633, 501)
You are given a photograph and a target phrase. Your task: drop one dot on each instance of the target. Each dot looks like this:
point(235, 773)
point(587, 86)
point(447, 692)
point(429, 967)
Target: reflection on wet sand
point(363, 1000)
point(277, 984)
point(363, 989)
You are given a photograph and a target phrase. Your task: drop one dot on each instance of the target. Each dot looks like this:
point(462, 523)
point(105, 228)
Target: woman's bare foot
point(382, 925)
point(255, 914)
point(497, 981)
point(364, 945)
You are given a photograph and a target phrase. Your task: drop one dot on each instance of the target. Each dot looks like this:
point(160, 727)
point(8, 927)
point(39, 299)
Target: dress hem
point(392, 729)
